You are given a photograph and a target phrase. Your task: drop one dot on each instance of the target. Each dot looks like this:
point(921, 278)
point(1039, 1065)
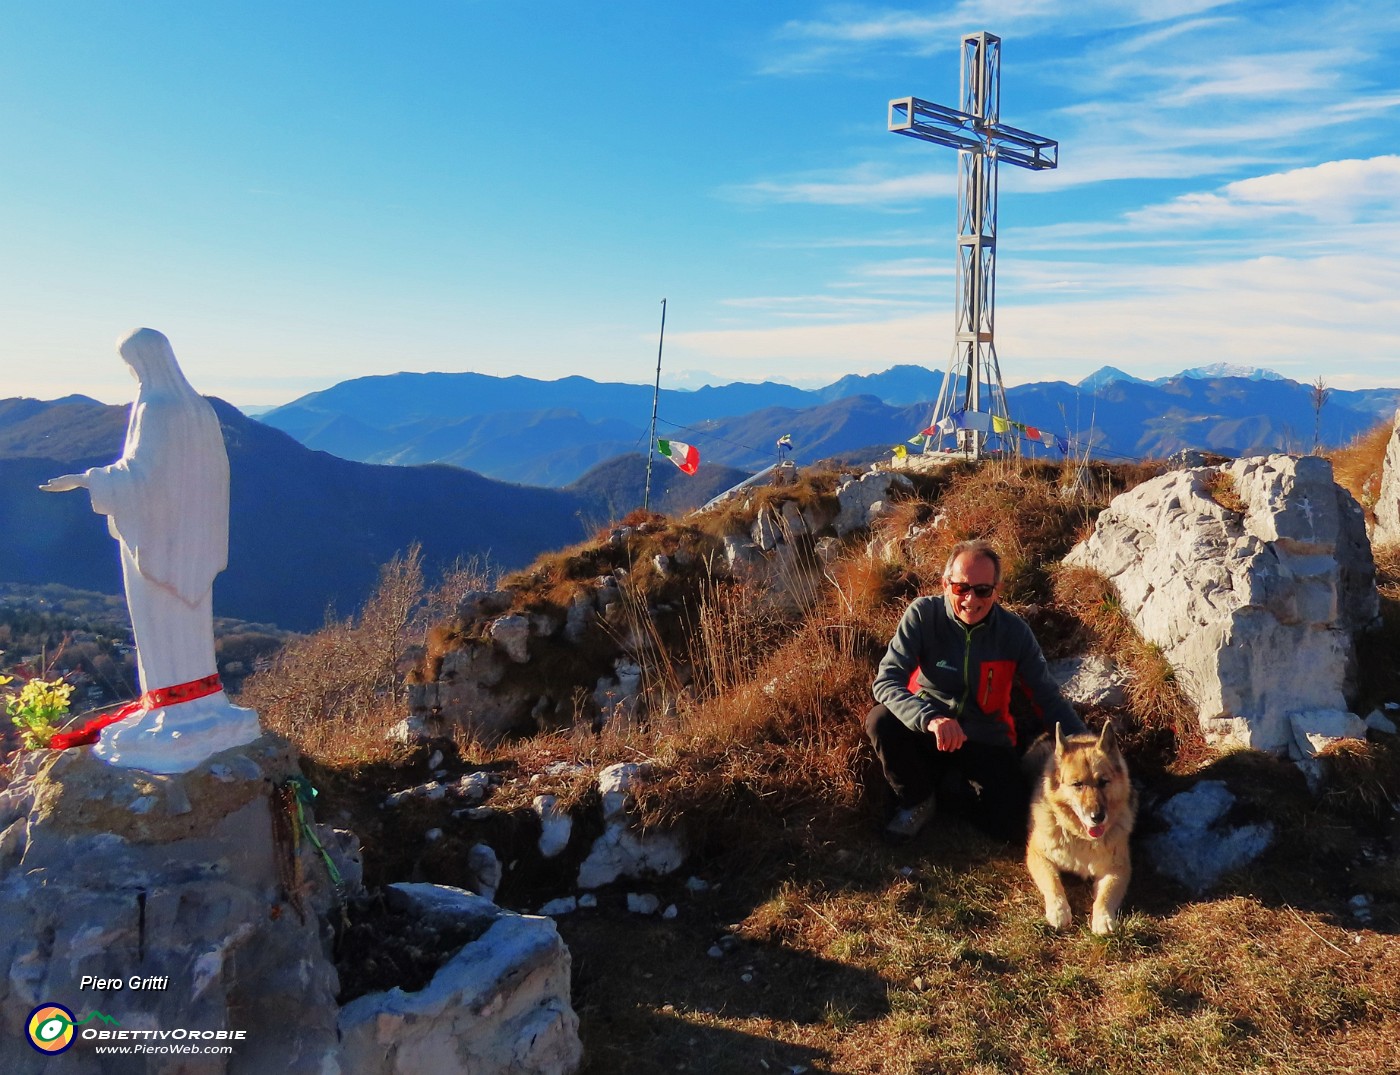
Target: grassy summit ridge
point(835, 953)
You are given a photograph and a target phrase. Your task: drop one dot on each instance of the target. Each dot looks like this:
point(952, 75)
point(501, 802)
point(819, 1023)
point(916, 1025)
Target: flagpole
point(651, 441)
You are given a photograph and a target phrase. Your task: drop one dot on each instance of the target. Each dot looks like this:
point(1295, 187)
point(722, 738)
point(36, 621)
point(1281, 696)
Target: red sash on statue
point(163, 696)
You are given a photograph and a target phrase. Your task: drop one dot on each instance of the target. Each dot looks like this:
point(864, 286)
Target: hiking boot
point(909, 822)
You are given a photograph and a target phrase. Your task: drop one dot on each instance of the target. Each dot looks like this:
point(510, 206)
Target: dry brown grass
point(1156, 700)
point(1219, 484)
point(1376, 650)
point(337, 692)
point(813, 489)
point(1357, 466)
point(1387, 558)
point(1363, 777)
point(851, 958)
point(1017, 506)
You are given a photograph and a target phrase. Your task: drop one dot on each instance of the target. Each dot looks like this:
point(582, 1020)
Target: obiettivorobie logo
point(52, 1027)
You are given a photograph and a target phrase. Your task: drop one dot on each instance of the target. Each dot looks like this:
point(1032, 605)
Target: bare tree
point(1320, 394)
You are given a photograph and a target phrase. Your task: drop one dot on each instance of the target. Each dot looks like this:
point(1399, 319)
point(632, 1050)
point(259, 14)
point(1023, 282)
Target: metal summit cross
point(982, 141)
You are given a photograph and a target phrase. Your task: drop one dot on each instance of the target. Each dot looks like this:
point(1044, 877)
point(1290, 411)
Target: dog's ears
point(1059, 740)
point(1108, 739)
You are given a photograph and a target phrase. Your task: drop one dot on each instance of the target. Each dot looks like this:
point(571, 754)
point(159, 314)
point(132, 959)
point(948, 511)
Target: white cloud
point(1289, 313)
point(1334, 192)
point(850, 32)
point(869, 185)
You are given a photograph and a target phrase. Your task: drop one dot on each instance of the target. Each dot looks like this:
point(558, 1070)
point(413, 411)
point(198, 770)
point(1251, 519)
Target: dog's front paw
point(1103, 922)
point(1057, 914)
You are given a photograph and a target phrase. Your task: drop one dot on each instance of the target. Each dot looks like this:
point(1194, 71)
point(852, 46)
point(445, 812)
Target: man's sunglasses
point(981, 589)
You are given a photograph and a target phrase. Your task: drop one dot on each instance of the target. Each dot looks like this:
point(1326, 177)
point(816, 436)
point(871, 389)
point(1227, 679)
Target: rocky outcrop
point(467, 692)
point(1387, 507)
point(197, 905)
point(864, 499)
point(500, 1004)
point(1252, 577)
point(511, 668)
point(167, 902)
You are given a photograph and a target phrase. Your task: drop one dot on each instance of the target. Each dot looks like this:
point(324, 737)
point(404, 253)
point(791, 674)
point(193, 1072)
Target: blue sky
point(301, 193)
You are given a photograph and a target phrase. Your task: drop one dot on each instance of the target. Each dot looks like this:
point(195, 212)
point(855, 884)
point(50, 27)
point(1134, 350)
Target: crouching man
point(944, 727)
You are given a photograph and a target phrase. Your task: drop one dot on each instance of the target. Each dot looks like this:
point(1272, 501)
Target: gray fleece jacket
point(991, 677)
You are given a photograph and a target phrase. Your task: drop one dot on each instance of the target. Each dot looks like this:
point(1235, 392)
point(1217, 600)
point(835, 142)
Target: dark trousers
point(980, 781)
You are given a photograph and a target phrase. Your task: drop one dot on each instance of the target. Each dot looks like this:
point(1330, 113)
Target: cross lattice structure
point(971, 404)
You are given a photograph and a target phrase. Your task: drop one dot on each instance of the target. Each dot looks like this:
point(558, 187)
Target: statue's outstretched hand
point(64, 483)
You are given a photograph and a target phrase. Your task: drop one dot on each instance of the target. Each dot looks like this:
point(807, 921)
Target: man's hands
point(947, 732)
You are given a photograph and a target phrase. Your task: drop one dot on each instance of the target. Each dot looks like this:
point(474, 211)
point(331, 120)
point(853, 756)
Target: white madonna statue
point(166, 502)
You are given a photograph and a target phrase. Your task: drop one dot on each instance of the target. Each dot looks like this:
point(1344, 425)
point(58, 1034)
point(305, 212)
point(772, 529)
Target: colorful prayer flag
point(1033, 434)
point(785, 441)
point(900, 451)
point(685, 456)
point(1000, 424)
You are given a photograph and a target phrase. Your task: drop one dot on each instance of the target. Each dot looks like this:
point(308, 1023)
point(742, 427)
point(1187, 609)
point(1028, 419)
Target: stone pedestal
point(164, 904)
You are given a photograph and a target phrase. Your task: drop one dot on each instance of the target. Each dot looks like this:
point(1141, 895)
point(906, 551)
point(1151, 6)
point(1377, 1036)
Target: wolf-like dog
point(1082, 813)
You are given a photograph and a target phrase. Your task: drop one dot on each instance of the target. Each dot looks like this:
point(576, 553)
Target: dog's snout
point(1098, 815)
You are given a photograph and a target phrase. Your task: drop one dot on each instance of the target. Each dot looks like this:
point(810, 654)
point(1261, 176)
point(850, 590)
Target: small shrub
point(336, 693)
point(37, 709)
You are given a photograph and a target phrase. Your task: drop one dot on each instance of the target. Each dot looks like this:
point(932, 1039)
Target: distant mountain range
point(308, 531)
point(551, 432)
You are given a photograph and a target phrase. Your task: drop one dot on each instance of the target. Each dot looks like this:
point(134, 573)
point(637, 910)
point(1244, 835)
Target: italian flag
point(685, 456)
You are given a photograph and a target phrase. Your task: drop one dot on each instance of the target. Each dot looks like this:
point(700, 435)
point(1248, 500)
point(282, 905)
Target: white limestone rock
point(1316, 729)
point(190, 890)
point(643, 903)
point(622, 850)
point(1200, 846)
point(556, 826)
point(744, 558)
point(619, 694)
point(561, 906)
point(479, 604)
point(767, 530)
point(484, 870)
point(468, 693)
point(581, 616)
point(615, 783)
point(501, 1004)
point(857, 498)
point(1387, 506)
point(1255, 610)
point(512, 634)
point(1091, 682)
